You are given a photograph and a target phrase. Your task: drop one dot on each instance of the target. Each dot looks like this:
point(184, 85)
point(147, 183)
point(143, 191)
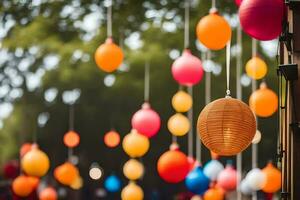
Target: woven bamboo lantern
point(226, 126)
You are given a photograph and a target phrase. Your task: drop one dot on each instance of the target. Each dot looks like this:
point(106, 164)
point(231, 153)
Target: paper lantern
point(273, 179)
point(133, 169)
point(226, 126)
point(11, 169)
point(95, 172)
point(187, 69)
point(112, 183)
point(26, 147)
point(135, 144)
point(245, 188)
point(213, 31)
point(35, 162)
point(109, 56)
point(66, 173)
point(132, 192)
point(146, 121)
point(196, 181)
point(264, 102)
point(112, 139)
point(238, 2)
point(182, 101)
point(179, 125)
point(48, 193)
point(257, 137)
point(21, 187)
point(212, 169)
point(227, 178)
point(256, 68)
point(214, 194)
point(256, 179)
point(71, 139)
point(77, 183)
point(262, 20)
point(173, 166)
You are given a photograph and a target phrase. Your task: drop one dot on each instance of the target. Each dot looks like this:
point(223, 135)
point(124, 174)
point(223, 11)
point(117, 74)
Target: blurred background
point(47, 61)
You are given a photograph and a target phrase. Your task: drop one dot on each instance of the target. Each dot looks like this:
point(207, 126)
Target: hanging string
point(254, 47)
point(147, 82)
point(228, 68)
point(239, 158)
point(109, 18)
point(191, 132)
point(71, 117)
point(213, 4)
point(186, 23)
point(174, 139)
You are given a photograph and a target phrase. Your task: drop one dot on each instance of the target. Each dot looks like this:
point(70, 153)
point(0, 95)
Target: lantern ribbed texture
point(226, 126)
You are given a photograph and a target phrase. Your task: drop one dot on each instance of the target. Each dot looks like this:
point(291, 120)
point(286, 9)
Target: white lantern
point(256, 179)
point(245, 188)
point(212, 169)
point(257, 137)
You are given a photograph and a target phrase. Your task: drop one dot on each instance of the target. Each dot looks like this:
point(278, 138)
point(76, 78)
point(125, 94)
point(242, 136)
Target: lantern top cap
point(174, 146)
point(213, 11)
point(109, 40)
point(146, 105)
point(263, 85)
point(133, 131)
point(35, 146)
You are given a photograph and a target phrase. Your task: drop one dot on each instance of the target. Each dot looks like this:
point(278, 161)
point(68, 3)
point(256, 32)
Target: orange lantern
point(112, 139)
point(25, 148)
point(71, 139)
point(213, 31)
point(35, 162)
point(66, 173)
point(109, 56)
point(273, 179)
point(226, 126)
point(256, 68)
point(264, 102)
point(48, 193)
point(21, 187)
point(214, 194)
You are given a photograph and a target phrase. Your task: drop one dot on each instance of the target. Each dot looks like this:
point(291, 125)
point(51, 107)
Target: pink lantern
point(187, 69)
point(262, 20)
point(238, 2)
point(146, 121)
point(227, 179)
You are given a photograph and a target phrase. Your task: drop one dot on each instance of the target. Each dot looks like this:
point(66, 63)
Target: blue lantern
point(112, 183)
point(197, 182)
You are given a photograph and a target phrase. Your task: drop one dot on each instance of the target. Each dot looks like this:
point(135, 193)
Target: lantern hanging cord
point(186, 23)
point(190, 134)
point(147, 82)
point(174, 139)
point(213, 4)
point(254, 47)
point(71, 117)
point(239, 156)
point(109, 19)
point(228, 68)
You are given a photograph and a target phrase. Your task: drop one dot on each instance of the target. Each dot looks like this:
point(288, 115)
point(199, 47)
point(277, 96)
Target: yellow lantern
point(179, 124)
point(133, 169)
point(264, 102)
point(132, 192)
point(135, 144)
point(35, 162)
point(256, 68)
point(226, 126)
point(182, 101)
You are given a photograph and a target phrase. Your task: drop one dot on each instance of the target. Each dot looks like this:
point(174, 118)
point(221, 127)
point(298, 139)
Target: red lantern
point(238, 2)
point(11, 169)
point(227, 178)
point(187, 69)
point(48, 193)
point(146, 121)
point(173, 166)
point(262, 19)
